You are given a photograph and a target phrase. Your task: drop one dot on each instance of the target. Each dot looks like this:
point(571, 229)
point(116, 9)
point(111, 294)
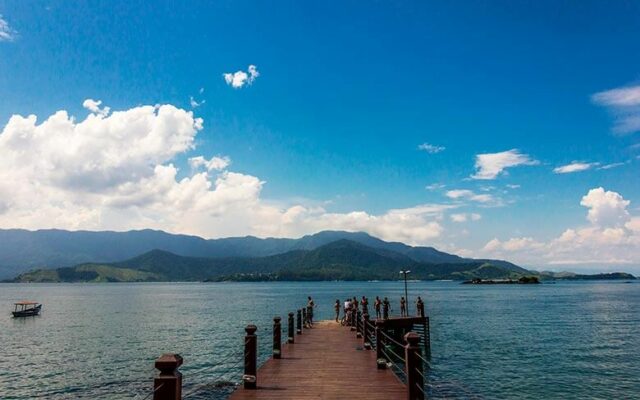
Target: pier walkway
point(326, 362)
point(366, 359)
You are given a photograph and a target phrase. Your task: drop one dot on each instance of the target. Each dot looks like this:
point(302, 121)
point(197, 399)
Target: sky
point(486, 129)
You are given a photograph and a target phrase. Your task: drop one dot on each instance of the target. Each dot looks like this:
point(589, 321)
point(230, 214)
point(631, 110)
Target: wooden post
point(291, 328)
point(427, 338)
point(277, 337)
point(304, 317)
point(353, 321)
point(299, 323)
point(168, 384)
point(250, 357)
point(413, 367)
point(358, 326)
point(367, 333)
point(380, 359)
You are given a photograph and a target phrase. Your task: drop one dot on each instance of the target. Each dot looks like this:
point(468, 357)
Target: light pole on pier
point(406, 296)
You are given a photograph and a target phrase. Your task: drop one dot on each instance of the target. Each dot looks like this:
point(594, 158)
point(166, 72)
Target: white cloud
point(214, 164)
point(491, 165)
point(605, 208)
point(462, 217)
point(194, 103)
point(575, 166)
point(431, 149)
point(613, 165)
point(94, 107)
point(116, 171)
point(512, 245)
point(240, 78)
point(435, 186)
point(6, 33)
point(464, 194)
point(611, 239)
point(624, 104)
point(511, 186)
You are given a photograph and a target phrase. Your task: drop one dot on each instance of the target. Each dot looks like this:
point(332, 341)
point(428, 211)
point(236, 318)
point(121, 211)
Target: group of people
point(382, 308)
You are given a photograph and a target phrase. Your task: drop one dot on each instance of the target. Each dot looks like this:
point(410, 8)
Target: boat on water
point(26, 309)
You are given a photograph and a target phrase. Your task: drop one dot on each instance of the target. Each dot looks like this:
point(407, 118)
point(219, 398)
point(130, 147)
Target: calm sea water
point(552, 341)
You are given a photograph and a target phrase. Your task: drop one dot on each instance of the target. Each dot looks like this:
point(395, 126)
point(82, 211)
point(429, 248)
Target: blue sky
point(346, 94)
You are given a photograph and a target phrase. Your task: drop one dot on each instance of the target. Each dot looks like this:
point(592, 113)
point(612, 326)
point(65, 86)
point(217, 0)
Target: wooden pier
point(326, 362)
point(367, 359)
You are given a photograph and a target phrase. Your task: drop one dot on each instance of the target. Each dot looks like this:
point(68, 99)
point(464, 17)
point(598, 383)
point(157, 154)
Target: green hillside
point(339, 260)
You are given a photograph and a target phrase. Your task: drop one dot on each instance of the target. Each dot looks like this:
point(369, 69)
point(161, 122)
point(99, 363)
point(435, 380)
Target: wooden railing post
point(250, 357)
point(277, 337)
point(367, 333)
point(290, 328)
point(427, 338)
point(380, 359)
point(299, 323)
point(358, 326)
point(168, 384)
point(304, 317)
point(413, 367)
point(353, 321)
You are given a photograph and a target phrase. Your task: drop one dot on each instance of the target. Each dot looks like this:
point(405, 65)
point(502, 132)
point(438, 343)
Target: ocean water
point(570, 340)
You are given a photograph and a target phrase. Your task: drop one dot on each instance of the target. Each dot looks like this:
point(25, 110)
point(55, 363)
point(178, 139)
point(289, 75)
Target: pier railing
point(396, 341)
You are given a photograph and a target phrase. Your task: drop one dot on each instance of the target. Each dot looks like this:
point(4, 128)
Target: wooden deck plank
point(326, 362)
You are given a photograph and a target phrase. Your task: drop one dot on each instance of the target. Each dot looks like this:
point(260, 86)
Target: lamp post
point(406, 296)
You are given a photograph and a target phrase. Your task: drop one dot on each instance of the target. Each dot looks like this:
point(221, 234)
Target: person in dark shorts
point(310, 306)
point(420, 307)
point(385, 308)
point(365, 305)
point(403, 307)
point(337, 309)
point(377, 304)
point(354, 302)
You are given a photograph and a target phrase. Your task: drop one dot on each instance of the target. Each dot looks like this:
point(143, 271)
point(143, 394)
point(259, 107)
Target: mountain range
point(23, 250)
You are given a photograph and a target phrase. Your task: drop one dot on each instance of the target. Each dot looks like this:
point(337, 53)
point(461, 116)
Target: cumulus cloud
point(6, 33)
point(464, 194)
point(116, 171)
point(491, 165)
point(605, 208)
point(624, 105)
point(94, 107)
point(240, 78)
point(430, 148)
point(214, 164)
point(610, 239)
point(463, 217)
point(575, 166)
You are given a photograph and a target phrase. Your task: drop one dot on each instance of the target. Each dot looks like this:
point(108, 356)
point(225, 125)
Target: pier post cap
point(251, 329)
point(291, 314)
point(365, 315)
point(412, 339)
point(168, 363)
point(277, 320)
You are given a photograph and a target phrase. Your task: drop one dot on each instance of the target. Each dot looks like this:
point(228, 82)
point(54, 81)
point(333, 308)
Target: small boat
point(26, 309)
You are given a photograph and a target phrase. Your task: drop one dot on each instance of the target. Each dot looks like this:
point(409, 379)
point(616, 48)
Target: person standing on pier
point(377, 305)
point(385, 308)
point(354, 303)
point(310, 306)
point(420, 307)
point(365, 305)
point(337, 309)
point(403, 307)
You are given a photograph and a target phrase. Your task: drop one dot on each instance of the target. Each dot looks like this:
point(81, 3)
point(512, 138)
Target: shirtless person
point(337, 309)
point(377, 305)
point(403, 307)
point(385, 308)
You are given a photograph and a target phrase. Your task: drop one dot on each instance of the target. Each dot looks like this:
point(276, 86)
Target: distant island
point(327, 256)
